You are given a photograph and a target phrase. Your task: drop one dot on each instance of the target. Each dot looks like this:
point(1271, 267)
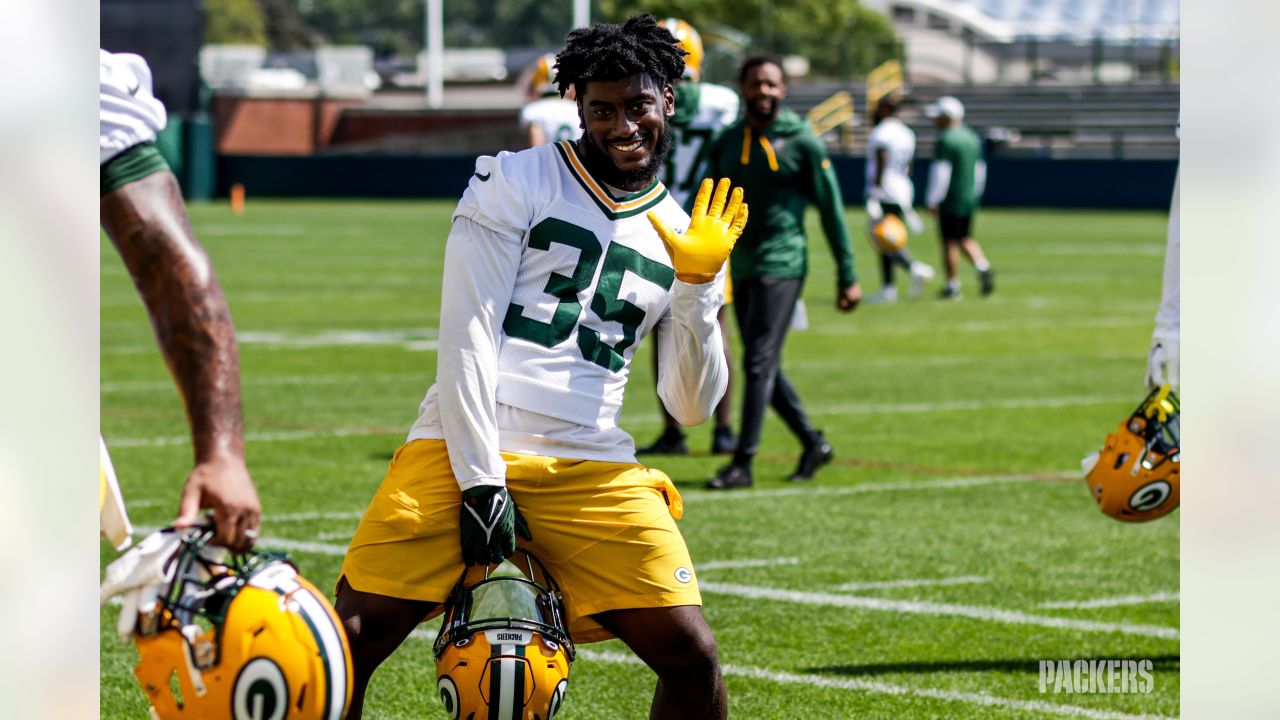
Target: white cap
point(946, 107)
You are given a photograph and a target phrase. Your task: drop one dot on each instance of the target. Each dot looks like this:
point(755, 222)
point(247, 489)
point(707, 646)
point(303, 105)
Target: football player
point(143, 214)
point(551, 117)
point(560, 259)
point(890, 191)
point(702, 109)
point(1163, 361)
point(957, 179)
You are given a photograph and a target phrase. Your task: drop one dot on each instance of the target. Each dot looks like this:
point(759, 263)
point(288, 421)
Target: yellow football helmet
point(1135, 476)
point(889, 234)
point(248, 639)
point(691, 42)
point(503, 651)
point(542, 82)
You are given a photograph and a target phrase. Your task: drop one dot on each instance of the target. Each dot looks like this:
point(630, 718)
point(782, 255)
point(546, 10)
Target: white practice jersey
point(128, 114)
point(557, 117)
point(716, 107)
point(899, 144)
point(550, 283)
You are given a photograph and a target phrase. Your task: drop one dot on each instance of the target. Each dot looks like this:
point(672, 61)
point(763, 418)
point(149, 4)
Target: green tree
point(840, 38)
point(233, 22)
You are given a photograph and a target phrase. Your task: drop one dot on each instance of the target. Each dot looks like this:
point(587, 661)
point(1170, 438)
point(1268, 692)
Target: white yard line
point(717, 496)
point(1162, 597)
point(1012, 617)
point(922, 582)
point(140, 386)
point(767, 562)
point(975, 326)
point(870, 686)
point(817, 409)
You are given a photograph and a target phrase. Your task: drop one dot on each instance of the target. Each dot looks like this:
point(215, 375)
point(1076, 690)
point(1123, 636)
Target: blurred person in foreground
point(702, 110)
point(957, 179)
point(144, 216)
point(560, 259)
point(550, 117)
point(782, 167)
point(1164, 359)
point(890, 192)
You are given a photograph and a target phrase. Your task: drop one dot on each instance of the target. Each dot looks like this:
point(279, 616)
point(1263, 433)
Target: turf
point(958, 430)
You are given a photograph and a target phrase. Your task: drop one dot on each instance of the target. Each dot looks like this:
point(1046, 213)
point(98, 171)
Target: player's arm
point(535, 135)
point(882, 157)
point(939, 179)
point(148, 224)
point(826, 195)
point(480, 267)
point(693, 373)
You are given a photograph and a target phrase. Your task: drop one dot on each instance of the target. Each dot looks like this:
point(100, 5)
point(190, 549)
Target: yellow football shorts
point(605, 531)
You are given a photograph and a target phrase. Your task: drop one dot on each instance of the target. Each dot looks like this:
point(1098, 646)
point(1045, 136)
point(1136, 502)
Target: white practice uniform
point(550, 282)
point(557, 117)
point(128, 114)
point(714, 106)
point(899, 144)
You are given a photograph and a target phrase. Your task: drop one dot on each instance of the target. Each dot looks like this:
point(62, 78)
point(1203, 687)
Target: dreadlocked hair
point(608, 51)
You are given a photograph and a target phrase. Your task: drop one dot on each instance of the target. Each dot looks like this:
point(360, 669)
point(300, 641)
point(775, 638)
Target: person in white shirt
point(891, 147)
point(560, 260)
point(143, 214)
point(702, 109)
point(550, 118)
point(1163, 361)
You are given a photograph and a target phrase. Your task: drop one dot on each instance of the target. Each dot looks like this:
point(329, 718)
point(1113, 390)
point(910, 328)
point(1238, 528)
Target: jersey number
point(697, 137)
point(605, 305)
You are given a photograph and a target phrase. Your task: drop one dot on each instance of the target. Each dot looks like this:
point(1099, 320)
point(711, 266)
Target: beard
point(603, 169)
point(764, 116)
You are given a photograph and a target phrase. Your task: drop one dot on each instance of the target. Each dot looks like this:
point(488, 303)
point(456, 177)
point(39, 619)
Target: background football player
point(702, 109)
point(551, 117)
point(143, 214)
point(957, 179)
point(561, 258)
point(890, 148)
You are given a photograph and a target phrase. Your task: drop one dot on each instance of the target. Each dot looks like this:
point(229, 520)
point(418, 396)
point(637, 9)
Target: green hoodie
point(780, 174)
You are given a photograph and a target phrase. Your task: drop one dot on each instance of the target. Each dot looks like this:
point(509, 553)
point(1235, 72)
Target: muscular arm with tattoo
point(147, 222)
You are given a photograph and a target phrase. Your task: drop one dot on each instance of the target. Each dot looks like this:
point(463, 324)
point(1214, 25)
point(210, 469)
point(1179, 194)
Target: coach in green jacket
point(782, 167)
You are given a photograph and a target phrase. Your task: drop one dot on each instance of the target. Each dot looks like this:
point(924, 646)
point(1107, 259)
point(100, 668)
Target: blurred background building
point(294, 96)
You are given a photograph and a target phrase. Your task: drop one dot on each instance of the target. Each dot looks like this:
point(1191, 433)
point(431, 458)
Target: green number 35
point(606, 304)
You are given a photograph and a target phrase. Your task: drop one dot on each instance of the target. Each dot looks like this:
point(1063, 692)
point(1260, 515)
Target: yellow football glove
point(700, 252)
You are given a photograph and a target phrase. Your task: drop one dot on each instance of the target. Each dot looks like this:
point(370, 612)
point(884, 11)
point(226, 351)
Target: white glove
point(140, 575)
point(874, 210)
point(1162, 364)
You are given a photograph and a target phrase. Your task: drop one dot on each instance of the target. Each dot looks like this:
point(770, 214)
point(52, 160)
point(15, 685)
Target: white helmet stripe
point(329, 640)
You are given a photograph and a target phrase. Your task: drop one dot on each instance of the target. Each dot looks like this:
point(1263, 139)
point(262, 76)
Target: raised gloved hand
point(488, 523)
point(714, 227)
point(1162, 364)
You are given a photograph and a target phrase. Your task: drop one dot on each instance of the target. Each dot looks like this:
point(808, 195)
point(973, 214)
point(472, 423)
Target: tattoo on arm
point(148, 224)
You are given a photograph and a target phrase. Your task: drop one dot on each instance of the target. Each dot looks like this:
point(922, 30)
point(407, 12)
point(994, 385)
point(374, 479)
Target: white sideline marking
point(340, 338)
point(847, 409)
point(824, 490)
point(871, 686)
point(716, 495)
point(277, 436)
point(270, 543)
point(168, 386)
point(768, 562)
point(977, 326)
point(1161, 597)
point(922, 582)
point(1012, 617)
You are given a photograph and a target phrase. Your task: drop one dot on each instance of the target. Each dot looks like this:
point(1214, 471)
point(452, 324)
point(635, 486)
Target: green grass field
point(958, 430)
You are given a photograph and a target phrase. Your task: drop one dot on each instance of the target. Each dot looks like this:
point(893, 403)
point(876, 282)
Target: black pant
point(764, 307)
